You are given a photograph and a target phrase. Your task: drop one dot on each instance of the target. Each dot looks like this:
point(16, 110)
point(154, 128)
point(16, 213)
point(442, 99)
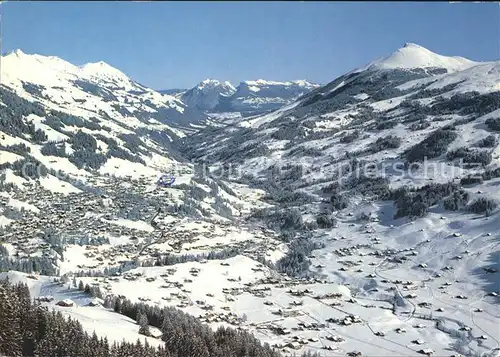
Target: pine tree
point(27, 320)
point(10, 336)
point(143, 322)
point(118, 306)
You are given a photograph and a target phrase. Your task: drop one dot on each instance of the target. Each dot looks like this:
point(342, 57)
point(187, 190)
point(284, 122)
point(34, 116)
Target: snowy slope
point(61, 82)
point(419, 281)
point(102, 321)
point(482, 78)
point(253, 97)
point(415, 56)
point(208, 94)
point(132, 126)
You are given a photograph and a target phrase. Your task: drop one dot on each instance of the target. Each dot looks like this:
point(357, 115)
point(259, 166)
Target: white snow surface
point(415, 56)
point(104, 322)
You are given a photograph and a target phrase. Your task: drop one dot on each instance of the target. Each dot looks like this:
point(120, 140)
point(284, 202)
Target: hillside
point(391, 170)
point(358, 216)
point(91, 118)
point(208, 94)
point(256, 97)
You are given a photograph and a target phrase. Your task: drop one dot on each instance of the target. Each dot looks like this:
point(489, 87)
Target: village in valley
point(125, 245)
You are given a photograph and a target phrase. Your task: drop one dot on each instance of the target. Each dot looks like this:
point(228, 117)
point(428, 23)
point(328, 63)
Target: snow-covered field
point(102, 321)
point(445, 256)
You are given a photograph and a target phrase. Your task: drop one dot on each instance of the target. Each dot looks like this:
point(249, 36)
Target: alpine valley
point(354, 218)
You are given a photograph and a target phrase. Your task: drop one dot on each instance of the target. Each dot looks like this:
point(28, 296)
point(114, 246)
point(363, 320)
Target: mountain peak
point(263, 82)
point(305, 83)
point(412, 55)
point(207, 94)
point(18, 52)
point(210, 80)
point(34, 68)
point(414, 45)
point(104, 70)
point(101, 65)
point(214, 83)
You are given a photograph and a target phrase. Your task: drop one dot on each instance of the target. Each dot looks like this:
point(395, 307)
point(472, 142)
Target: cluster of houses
point(92, 219)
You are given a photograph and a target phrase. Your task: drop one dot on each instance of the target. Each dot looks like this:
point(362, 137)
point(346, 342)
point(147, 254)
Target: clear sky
point(178, 44)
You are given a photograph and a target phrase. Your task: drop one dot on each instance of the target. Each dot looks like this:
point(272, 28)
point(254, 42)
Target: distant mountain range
point(248, 98)
point(173, 91)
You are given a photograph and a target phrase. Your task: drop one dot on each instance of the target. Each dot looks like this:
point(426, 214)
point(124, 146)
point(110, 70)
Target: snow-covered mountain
point(398, 160)
point(254, 97)
point(208, 94)
point(408, 94)
point(412, 55)
point(248, 98)
point(62, 83)
point(126, 127)
point(176, 92)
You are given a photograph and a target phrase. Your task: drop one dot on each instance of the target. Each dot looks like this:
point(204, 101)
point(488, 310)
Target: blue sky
point(178, 44)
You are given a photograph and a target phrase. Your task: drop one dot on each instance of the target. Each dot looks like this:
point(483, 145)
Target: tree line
point(29, 329)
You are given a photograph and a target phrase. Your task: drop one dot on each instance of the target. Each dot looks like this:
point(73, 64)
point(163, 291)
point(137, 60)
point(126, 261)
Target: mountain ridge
point(250, 97)
point(412, 55)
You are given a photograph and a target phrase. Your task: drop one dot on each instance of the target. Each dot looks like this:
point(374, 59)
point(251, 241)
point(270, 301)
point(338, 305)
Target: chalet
point(281, 330)
point(354, 354)
point(426, 351)
point(95, 302)
point(294, 345)
point(45, 298)
point(334, 338)
point(65, 303)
